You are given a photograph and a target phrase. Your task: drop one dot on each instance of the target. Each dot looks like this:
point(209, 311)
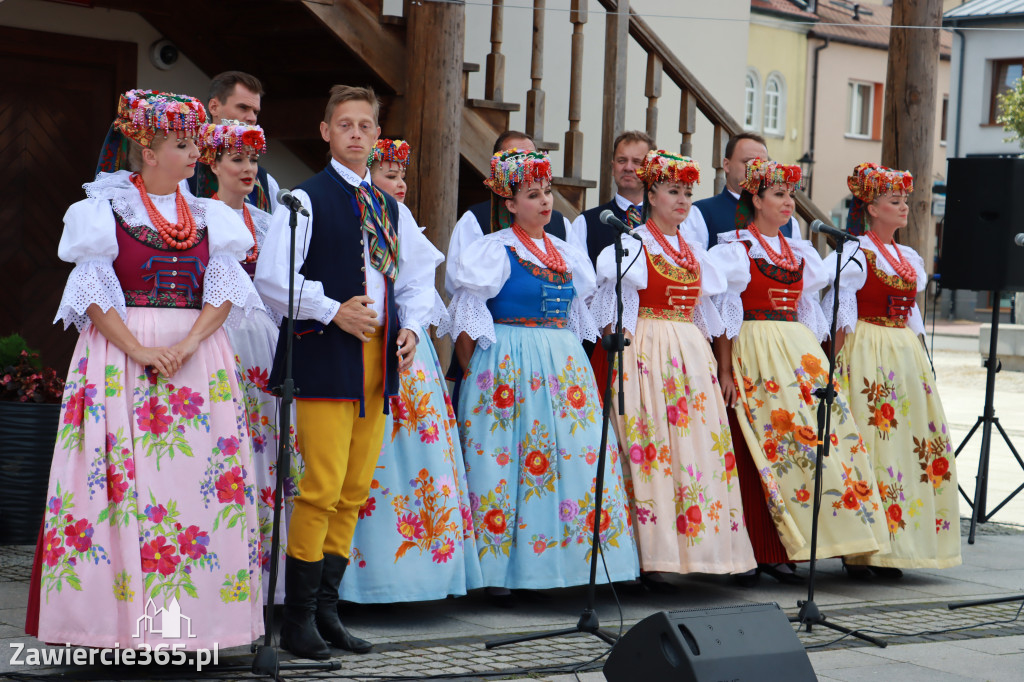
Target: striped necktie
point(633, 216)
point(380, 231)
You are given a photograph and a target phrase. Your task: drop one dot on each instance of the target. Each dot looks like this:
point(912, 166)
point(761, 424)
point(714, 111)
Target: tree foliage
point(1011, 112)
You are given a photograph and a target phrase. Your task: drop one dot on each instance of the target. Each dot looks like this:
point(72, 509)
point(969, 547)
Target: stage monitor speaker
point(750, 643)
point(984, 212)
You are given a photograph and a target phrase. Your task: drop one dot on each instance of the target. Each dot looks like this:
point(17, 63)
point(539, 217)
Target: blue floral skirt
point(414, 538)
point(531, 429)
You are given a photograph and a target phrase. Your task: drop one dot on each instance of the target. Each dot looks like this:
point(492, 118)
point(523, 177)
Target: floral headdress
point(390, 150)
point(764, 173)
point(509, 169)
point(141, 116)
point(663, 166)
point(761, 173)
point(512, 167)
point(230, 135)
point(868, 182)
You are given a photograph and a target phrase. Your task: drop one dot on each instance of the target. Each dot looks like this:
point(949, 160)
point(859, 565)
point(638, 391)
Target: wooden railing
point(661, 62)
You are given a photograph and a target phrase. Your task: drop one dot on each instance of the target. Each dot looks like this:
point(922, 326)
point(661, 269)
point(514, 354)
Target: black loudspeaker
point(984, 213)
point(754, 643)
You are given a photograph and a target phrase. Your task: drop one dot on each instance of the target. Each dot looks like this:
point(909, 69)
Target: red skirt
point(764, 537)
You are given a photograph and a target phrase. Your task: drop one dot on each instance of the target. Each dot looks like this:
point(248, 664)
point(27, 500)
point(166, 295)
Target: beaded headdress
point(764, 173)
point(663, 166)
point(512, 167)
point(230, 135)
point(761, 173)
point(390, 150)
point(141, 116)
point(509, 169)
point(868, 182)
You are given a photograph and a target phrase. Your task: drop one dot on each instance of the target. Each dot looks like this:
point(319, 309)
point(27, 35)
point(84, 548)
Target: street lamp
point(806, 166)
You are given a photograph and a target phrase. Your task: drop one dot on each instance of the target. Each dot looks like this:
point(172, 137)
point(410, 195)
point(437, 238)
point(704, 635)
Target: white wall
point(976, 136)
point(183, 78)
point(709, 37)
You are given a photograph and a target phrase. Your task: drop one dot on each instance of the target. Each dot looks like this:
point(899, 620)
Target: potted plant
point(30, 402)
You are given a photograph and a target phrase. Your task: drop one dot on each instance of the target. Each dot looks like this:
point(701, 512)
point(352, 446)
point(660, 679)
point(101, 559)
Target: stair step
point(574, 182)
point(470, 67)
point(393, 20)
point(491, 104)
point(546, 146)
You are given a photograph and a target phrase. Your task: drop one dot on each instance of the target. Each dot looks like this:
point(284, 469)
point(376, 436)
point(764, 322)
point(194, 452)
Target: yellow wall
point(777, 46)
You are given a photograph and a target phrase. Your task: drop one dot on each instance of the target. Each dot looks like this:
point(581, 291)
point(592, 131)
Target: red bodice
point(154, 275)
point(671, 292)
point(773, 292)
point(885, 300)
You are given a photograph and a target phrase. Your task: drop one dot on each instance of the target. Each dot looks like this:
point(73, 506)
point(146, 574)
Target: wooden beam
point(908, 128)
point(614, 101)
point(574, 136)
point(652, 91)
point(360, 30)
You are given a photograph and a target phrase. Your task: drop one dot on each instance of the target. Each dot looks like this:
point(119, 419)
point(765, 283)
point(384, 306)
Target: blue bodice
point(533, 296)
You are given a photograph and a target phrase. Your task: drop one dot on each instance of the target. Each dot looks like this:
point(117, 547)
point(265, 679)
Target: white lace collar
point(507, 237)
point(756, 251)
point(117, 188)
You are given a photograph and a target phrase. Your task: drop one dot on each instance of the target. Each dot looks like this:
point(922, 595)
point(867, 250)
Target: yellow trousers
point(340, 451)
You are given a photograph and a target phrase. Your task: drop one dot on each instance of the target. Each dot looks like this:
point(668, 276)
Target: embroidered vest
point(885, 300)
point(671, 292)
point(154, 275)
point(533, 296)
point(773, 292)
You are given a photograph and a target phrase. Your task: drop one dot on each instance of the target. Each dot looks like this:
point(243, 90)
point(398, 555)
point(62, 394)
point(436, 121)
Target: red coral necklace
point(181, 235)
point(550, 257)
point(900, 265)
point(785, 260)
point(683, 256)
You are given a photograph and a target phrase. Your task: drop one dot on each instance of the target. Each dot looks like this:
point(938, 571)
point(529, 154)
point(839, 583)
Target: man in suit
point(588, 232)
point(711, 217)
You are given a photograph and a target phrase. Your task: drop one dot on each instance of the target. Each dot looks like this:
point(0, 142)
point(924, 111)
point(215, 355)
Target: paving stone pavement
point(447, 637)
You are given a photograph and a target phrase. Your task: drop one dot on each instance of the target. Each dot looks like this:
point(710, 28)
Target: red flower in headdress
point(689, 175)
point(908, 181)
point(792, 173)
point(252, 138)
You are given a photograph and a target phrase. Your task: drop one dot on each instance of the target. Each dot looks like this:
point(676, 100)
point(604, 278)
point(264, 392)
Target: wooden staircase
point(301, 47)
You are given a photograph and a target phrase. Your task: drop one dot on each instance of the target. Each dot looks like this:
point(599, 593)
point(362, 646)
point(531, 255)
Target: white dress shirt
point(310, 301)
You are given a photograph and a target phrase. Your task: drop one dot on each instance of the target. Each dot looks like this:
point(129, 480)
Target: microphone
point(1019, 239)
point(286, 198)
point(825, 228)
point(609, 218)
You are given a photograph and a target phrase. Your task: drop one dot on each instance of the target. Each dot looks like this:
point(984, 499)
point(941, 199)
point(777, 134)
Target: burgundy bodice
point(154, 275)
point(885, 300)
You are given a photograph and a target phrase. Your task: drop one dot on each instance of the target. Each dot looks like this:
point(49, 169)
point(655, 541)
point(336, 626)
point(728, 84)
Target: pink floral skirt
point(150, 532)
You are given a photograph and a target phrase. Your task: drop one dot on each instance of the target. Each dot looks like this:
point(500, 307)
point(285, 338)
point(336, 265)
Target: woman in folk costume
point(152, 502)
point(230, 153)
point(414, 540)
point(674, 438)
point(884, 371)
point(529, 409)
point(770, 363)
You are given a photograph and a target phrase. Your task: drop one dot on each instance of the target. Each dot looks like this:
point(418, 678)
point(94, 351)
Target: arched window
point(775, 105)
point(751, 88)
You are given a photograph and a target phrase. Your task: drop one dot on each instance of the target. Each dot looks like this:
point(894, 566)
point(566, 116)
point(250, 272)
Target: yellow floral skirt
point(885, 373)
point(777, 366)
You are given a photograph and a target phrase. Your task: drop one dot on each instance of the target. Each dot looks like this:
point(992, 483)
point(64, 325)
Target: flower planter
point(28, 432)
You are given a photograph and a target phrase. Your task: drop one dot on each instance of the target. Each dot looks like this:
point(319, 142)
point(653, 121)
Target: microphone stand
point(266, 663)
point(809, 614)
point(612, 343)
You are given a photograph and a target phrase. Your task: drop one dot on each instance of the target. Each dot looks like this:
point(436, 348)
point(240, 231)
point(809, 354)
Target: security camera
point(164, 54)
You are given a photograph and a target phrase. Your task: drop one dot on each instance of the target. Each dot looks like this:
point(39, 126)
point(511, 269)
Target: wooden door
point(58, 96)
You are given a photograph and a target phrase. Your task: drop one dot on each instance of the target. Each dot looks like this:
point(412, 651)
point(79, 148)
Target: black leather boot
point(328, 622)
point(298, 629)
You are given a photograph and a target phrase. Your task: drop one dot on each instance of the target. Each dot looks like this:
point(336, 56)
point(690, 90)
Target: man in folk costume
point(351, 340)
